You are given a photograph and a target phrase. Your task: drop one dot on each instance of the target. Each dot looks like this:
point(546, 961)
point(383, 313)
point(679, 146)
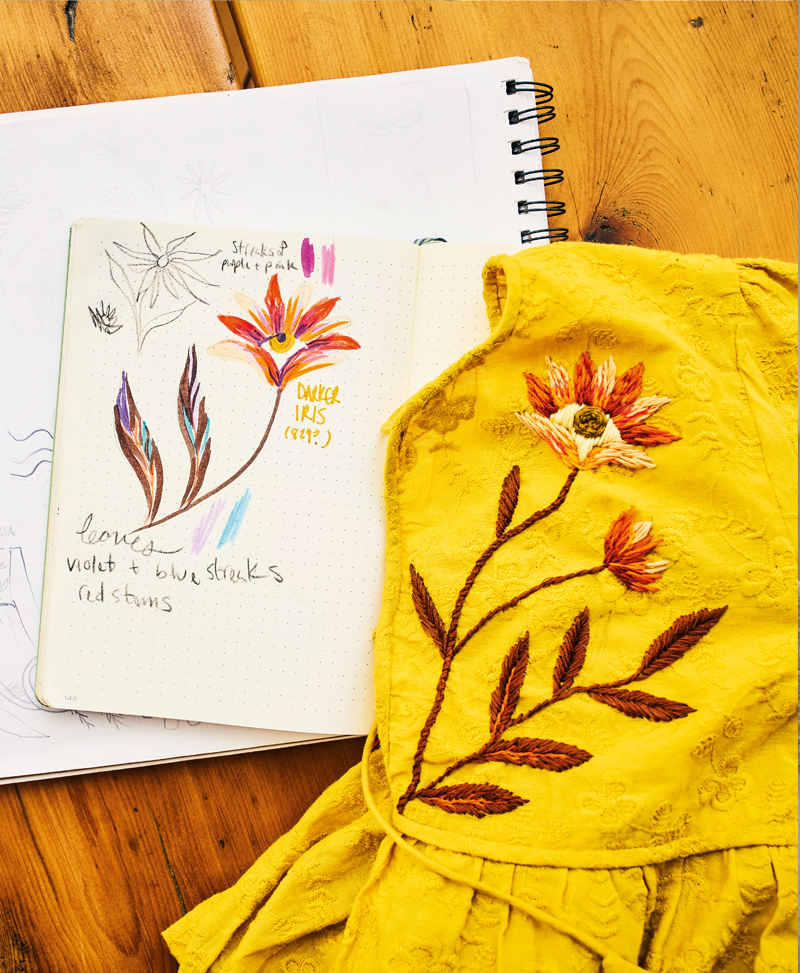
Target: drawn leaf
point(633, 702)
point(508, 501)
point(572, 654)
point(429, 617)
point(120, 278)
point(161, 319)
point(505, 698)
point(684, 633)
point(194, 425)
point(139, 448)
point(530, 752)
point(477, 800)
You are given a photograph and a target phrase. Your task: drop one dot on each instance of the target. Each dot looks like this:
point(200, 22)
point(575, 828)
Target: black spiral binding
point(542, 112)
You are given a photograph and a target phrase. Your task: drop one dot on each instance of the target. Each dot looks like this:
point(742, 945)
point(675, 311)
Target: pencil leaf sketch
point(144, 276)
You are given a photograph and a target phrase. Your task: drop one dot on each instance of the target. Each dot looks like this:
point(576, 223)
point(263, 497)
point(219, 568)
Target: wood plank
point(119, 50)
point(677, 125)
point(95, 866)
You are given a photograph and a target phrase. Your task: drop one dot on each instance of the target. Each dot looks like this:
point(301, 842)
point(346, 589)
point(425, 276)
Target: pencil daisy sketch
point(145, 276)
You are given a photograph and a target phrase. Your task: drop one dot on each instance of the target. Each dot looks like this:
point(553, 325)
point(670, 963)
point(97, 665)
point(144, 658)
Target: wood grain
point(134, 49)
point(94, 867)
point(677, 124)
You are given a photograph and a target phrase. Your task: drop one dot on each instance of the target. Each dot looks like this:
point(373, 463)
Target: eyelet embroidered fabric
point(585, 674)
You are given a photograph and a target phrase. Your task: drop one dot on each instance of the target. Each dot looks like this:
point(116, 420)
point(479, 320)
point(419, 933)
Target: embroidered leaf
point(508, 501)
point(572, 654)
point(684, 633)
point(475, 799)
point(505, 698)
point(543, 754)
point(429, 617)
point(194, 425)
point(633, 702)
point(139, 448)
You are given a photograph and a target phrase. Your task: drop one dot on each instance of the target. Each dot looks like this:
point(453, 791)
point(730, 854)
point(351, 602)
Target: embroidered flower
point(594, 418)
point(626, 546)
point(278, 329)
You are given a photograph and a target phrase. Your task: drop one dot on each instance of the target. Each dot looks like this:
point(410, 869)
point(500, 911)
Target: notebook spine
point(542, 111)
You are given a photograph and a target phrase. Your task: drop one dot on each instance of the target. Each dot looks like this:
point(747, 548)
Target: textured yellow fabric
point(585, 673)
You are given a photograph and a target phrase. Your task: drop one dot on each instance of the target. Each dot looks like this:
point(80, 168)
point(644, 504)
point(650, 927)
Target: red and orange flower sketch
point(594, 417)
point(283, 341)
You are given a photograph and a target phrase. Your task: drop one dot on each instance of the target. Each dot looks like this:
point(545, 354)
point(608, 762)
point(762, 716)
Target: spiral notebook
point(450, 152)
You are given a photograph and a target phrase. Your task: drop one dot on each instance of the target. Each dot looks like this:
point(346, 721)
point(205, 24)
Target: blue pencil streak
point(25, 475)
point(235, 520)
point(29, 435)
point(43, 449)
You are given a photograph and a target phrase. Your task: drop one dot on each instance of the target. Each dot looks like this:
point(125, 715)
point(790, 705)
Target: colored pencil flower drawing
point(282, 342)
point(144, 276)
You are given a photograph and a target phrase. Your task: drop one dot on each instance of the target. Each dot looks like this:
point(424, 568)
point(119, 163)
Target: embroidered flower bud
point(626, 546)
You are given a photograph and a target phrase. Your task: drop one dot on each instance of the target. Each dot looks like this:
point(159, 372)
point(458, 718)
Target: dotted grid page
point(254, 604)
point(450, 316)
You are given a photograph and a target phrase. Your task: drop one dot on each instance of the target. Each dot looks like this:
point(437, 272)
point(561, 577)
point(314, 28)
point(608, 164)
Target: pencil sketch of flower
point(143, 276)
point(105, 318)
point(10, 202)
point(204, 187)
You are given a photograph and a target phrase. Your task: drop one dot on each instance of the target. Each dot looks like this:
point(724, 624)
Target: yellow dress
point(584, 665)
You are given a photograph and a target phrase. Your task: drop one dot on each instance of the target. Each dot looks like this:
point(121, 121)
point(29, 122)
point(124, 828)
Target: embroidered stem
point(230, 479)
point(450, 648)
point(494, 547)
point(547, 583)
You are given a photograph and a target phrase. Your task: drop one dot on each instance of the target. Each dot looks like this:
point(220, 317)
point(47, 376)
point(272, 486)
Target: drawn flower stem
point(230, 479)
point(449, 647)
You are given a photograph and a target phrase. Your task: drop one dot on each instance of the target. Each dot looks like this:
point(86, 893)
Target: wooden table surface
point(677, 123)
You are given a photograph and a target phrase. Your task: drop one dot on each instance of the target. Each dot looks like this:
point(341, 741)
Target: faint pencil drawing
point(143, 201)
point(205, 187)
point(11, 201)
point(35, 457)
point(18, 618)
point(142, 276)
point(105, 318)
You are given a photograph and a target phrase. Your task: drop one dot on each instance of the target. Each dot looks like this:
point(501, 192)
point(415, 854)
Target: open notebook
point(215, 541)
point(397, 156)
